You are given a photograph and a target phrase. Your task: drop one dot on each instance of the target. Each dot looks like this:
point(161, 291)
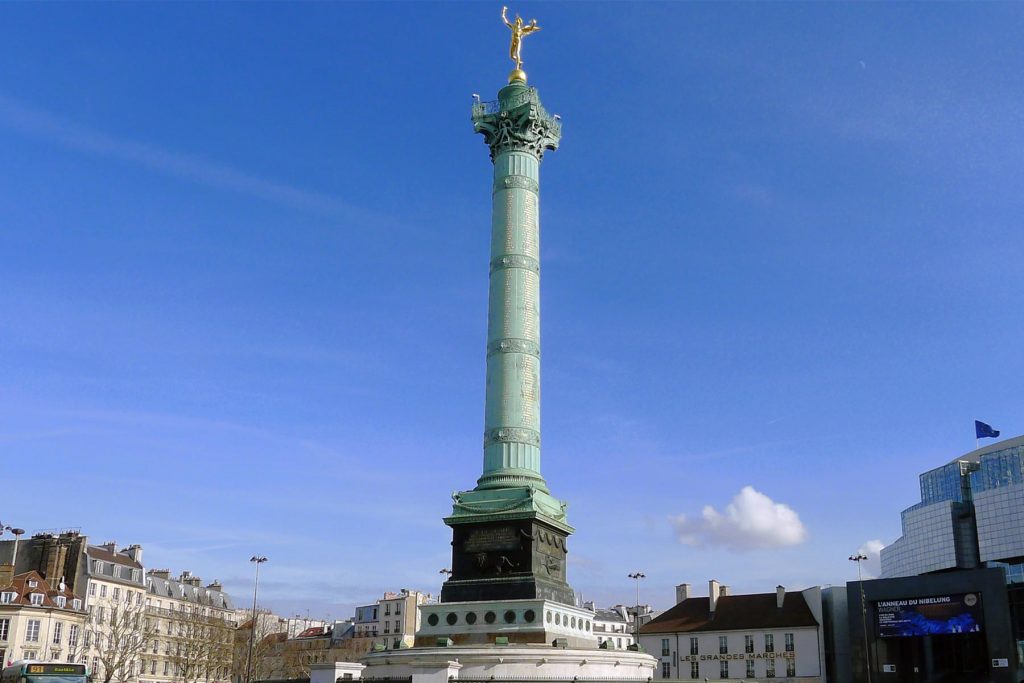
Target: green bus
point(44, 672)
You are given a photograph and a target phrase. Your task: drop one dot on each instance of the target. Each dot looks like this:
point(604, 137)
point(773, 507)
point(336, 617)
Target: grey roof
point(608, 615)
point(199, 595)
point(117, 566)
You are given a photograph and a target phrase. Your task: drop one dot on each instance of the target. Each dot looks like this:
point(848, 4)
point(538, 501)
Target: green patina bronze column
point(509, 533)
point(518, 131)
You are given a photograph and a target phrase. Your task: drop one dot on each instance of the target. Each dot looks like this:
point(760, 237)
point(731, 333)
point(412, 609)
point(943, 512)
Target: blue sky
point(243, 257)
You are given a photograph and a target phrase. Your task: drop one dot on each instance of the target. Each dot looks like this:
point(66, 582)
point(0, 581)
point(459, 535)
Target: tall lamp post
point(258, 559)
point(17, 536)
point(446, 572)
point(858, 558)
point(636, 576)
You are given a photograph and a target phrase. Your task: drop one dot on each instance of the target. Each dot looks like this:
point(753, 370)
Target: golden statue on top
point(519, 30)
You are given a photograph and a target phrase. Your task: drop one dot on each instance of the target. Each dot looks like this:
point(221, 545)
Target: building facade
point(740, 637)
point(944, 626)
point(612, 626)
point(190, 630)
point(971, 516)
point(38, 620)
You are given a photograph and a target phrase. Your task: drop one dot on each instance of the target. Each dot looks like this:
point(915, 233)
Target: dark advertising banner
point(938, 614)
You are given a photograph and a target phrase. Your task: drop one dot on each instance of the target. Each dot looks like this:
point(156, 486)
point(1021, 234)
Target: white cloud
point(752, 520)
point(873, 565)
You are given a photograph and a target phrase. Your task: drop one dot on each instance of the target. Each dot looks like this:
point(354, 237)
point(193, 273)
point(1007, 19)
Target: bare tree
point(116, 633)
point(266, 637)
point(201, 646)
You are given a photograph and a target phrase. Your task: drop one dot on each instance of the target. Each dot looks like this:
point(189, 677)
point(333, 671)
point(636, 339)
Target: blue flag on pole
point(982, 430)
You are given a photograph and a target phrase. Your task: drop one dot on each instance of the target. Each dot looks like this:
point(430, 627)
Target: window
point(92, 589)
point(167, 668)
point(60, 601)
point(103, 591)
point(694, 649)
point(58, 631)
point(396, 643)
point(770, 673)
point(398, 608)
point(29, 654)
point(750, 668)
point(790, 647)
point(71, 657)
point(398, 626)
point(666, 670)
point(117, 593)
point(73, 635)
point(387, 609)
point(723, 645)
point(7, 597)
point(5, 627)
point(694, 669)
point(748, 646)
point(152, 667)
point(32, 632)
point(36, 598)
point(88, 638)
point(723, 668)
point(791, 667)
point(76, 604)
point(32, 583)
point(156, 646)
point(769, 642)
point(664, 647)
point(100, 614)
point(95, 665)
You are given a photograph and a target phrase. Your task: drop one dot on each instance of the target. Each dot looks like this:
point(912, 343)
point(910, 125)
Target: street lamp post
point(858, 558)
point(258, 559)
point(636, 576)
point(17, 536)
point(447, 572)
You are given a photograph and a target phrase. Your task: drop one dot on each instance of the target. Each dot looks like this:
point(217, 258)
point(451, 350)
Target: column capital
point(517, 122)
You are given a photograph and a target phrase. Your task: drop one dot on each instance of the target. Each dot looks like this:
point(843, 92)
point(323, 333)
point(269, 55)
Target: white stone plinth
point(521, 621)
point(497, 662)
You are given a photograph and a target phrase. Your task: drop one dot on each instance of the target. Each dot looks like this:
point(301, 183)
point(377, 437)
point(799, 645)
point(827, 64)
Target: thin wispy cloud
point(45, 125)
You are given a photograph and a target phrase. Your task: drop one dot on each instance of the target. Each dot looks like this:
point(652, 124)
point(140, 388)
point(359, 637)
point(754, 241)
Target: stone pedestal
point(508, 663)
point(514, 622)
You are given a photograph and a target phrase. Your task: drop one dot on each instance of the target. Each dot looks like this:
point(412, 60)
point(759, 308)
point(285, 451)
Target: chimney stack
point(712, 594)
point(110, 546)
point(723, 591)
point(134, 551)
point(161, 573)
point(682, 592)
point(780, 596)
point(216, 586)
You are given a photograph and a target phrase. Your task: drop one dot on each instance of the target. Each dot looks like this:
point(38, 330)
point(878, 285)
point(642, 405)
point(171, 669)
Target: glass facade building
point(971, 515)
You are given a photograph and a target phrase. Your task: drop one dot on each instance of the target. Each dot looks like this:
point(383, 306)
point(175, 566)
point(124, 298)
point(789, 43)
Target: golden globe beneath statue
point(517, 75)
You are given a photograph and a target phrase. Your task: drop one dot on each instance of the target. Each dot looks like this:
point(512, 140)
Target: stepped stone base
point(507, 663)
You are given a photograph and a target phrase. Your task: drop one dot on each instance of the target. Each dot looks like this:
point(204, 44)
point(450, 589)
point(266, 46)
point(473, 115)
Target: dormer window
point(76, 604)
point(60, 601)
point(32, 583)
point(7, 598)
point(36, 598)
